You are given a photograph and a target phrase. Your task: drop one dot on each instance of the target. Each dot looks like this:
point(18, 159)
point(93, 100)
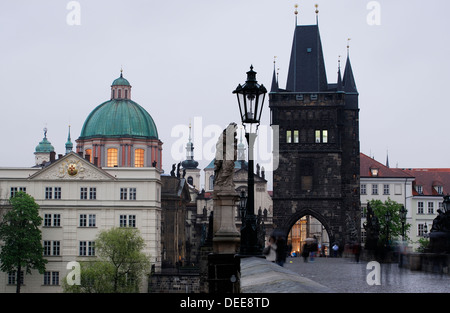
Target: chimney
point(60, 156)
point(96, 161)
point(87, 157)
point(52, 156)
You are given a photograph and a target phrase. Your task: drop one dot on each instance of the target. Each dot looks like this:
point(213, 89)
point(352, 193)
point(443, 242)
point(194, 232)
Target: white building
point(112, 181)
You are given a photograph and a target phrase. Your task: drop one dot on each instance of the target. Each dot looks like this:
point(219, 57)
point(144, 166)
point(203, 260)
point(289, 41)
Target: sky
point(184, 58)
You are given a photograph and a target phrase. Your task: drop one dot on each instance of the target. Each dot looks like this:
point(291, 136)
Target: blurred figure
point(305, 253)
point(281, 251)
point(356, 251)
point(335, 250)
point(271, 250)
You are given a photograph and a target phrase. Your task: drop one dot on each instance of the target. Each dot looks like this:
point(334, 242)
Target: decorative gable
point(72, 167)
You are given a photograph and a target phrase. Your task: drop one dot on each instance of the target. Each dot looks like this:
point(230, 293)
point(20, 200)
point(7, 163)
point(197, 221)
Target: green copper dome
point(44, 146)
point(119, 118)
point(120, 81)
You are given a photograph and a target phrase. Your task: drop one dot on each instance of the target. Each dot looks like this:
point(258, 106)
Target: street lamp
point(403, 212)
point(250, 98)
point(387, 218)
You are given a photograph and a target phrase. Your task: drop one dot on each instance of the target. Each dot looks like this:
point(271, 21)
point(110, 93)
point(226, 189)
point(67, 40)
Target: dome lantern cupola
point(120, 88)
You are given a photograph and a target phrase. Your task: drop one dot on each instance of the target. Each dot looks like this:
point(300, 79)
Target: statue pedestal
point(226, 237)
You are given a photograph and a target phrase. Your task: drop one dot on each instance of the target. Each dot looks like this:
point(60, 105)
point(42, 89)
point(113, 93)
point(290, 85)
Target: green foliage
point(19, 231)
point(423, 244)
point(119, 267)
point(395, 225)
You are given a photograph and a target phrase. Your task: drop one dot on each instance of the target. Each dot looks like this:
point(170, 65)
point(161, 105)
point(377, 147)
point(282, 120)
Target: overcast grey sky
point(184, 58)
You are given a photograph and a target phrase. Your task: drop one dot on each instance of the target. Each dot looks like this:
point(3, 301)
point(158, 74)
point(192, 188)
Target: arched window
point(190, 181)
point(126, 94)
point(211, 182)
point(112, 157)
point(120, 93)
point(88, 152)
point(139, 158)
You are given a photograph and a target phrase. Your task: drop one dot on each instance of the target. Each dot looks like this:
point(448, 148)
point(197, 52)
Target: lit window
point(317, 136)
point(295, 136)
point(89, 153)
point(325, 136)
point(112, 157)
point(139, 158)
point(288, 136)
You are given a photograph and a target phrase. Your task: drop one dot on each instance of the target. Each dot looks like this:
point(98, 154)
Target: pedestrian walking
point(271, 250)
point(281, 251)
point(335, 250)
point(305, 252)
point(357, 251)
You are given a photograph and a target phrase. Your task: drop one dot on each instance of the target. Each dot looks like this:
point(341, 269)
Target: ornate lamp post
point(250, 98)
point(403, 212)
point(242, 204)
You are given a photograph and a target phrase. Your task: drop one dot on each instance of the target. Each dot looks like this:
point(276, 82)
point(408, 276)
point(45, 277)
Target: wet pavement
point(344, 275)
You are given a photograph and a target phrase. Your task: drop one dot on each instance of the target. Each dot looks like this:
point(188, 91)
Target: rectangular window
point(363, 189)
point(430, 207)
point(325, 136)
point(13, 190)
point(139, 158)
point(93, 193)
point(47, 278)
point(56, 248)
point(83, 220)
point(123, 221)
point(83, 248)
point(47, 220)
point(385, 189)
point(91, 248)
point(12, 276)
point(56, 220)
point(374, 189)
point(112, 157)
point(48, 192)
point(420, 229)
point(296, 138)
point(57, 193)
point(317, 136)
point(420, 207)
point(91, 220)
point(55, 278)
point(132, 193)
point(288, 136)
point(123, 193)
point(83, 193)
point(47, 247)
point(131, 220)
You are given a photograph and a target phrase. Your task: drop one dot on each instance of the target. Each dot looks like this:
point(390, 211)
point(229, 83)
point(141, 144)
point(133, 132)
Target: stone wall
point(174, 283)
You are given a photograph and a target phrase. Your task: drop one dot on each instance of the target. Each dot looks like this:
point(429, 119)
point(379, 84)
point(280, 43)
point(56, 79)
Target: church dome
point(44, 146)
point(119, 117)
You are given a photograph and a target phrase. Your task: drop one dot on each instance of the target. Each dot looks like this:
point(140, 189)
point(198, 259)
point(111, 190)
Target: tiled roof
point(366, 163)
point(430, 179)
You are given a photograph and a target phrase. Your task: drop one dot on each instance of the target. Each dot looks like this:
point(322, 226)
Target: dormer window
point(439, 189)
point(374, 171)
point(419, 189)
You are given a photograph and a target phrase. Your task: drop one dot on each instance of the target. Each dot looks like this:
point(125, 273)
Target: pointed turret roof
point(274, 87)
point(307, 66)
point(349, 79)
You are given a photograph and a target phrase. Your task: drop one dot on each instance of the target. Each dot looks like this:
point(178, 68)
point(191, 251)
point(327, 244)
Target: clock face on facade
point(72, 169)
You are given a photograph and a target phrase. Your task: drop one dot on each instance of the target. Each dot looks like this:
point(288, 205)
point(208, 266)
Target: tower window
point(295, 136)
point(321, 136)
point(119, 93)
point(112, 157)
point(211, 182)
point(190, 181)
point(288, 136)
point(139, 158)
point(126, 94)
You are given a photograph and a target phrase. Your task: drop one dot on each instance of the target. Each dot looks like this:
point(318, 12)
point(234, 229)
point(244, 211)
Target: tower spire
point(296, 13)
point(274, 87)
point(69, 144)
point(317, 13)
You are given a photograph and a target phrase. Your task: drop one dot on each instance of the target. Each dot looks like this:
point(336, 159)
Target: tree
point(21, 238)
point(395, 225)
point(120, 266)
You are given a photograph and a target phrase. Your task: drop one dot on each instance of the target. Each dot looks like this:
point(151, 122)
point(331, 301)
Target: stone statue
point(372, 227)
point(178, 170)
point(226, 155)
point(172, 172)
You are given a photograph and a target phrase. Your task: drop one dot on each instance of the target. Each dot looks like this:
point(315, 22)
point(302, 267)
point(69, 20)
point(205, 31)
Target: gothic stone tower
point(318, 171)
